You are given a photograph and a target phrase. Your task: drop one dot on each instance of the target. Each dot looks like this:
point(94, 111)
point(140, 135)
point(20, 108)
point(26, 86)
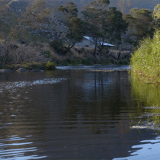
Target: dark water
point(85, 113)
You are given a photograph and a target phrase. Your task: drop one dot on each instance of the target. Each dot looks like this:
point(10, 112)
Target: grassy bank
point(145, 62)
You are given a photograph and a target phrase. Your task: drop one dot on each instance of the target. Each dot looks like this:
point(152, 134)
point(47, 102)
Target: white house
point(89, 42)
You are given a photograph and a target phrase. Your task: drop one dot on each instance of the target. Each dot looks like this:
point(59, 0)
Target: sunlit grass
point(145, 61)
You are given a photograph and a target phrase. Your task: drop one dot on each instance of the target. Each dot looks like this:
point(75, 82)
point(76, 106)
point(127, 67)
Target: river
point(85, 112)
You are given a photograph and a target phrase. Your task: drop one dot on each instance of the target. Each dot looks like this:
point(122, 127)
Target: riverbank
point(43, 57)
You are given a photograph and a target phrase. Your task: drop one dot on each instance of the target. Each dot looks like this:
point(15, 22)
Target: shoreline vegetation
point(42, 56)
point(145, 62)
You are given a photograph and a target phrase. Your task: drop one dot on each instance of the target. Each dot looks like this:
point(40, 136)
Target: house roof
point(105, 44)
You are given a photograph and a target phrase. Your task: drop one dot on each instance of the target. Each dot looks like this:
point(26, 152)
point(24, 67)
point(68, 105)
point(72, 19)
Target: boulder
point(22, 70)
point(5, 70)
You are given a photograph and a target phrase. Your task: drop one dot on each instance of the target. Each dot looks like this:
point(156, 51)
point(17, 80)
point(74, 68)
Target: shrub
point(103, 61)
point(34, 65)
point(47, 54)
point(123, 61)
point(57, 44)
point(50, 66)
point(146, 60)
point(87, 61)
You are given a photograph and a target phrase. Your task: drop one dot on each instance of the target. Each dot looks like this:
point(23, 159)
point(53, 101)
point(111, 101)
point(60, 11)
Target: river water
point(78, 113)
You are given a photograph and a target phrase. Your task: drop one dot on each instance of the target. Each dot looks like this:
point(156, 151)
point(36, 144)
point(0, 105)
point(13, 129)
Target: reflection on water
point(148, 99)
point(146, 119)
point(107, 68)
point(17, 147)
point(72, 114)
point(11, 86)
point(147, 150)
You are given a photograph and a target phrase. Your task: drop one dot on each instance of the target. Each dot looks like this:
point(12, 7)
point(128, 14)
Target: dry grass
point(18, 53)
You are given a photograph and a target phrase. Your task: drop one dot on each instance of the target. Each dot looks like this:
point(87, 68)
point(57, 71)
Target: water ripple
point(11, 86)
point(11, 149)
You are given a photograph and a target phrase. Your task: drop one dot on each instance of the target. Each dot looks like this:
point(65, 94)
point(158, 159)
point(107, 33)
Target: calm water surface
point(78, 113)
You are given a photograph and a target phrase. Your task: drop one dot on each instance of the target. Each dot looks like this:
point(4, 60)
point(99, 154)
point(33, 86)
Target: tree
point(6, 16)
point(105, 24)
point(74, 31)
point(140, 22)
point(94, 16)
point(115, 26)
point(156, 12)
point(3, 9)
point(156, 16)
point(37, 16)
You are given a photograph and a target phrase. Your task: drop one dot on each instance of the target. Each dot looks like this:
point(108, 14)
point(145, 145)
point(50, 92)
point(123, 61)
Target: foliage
point(140, 22)
point(87, 61)
point(28, 66)
point(94, 15)
point(156, 12)
point(145, 61)
point(156, 16)
point(8, 19)
point(78, 61)
point(33, 65)
point(103, 61)
point(50, 66)
point(57, 44)
point(104, 24)
point(37, 16)
point(74, 32)
point(115, 25)
point(47, 53)
point(123, 62)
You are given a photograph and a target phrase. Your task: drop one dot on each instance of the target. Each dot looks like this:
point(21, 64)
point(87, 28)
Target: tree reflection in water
point(97, 100)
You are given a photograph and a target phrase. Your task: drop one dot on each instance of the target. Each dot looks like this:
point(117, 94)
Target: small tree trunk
point(68, 49)
point(95, 49)
point(119, 54)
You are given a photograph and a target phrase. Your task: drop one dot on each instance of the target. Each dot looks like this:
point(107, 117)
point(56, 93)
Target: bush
point(34, 65)
point(87, 61)
point(50, 66)
point(123, 62)
point(57, 44)
point(145, 62)
point(103, 61)
point(47, 54)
